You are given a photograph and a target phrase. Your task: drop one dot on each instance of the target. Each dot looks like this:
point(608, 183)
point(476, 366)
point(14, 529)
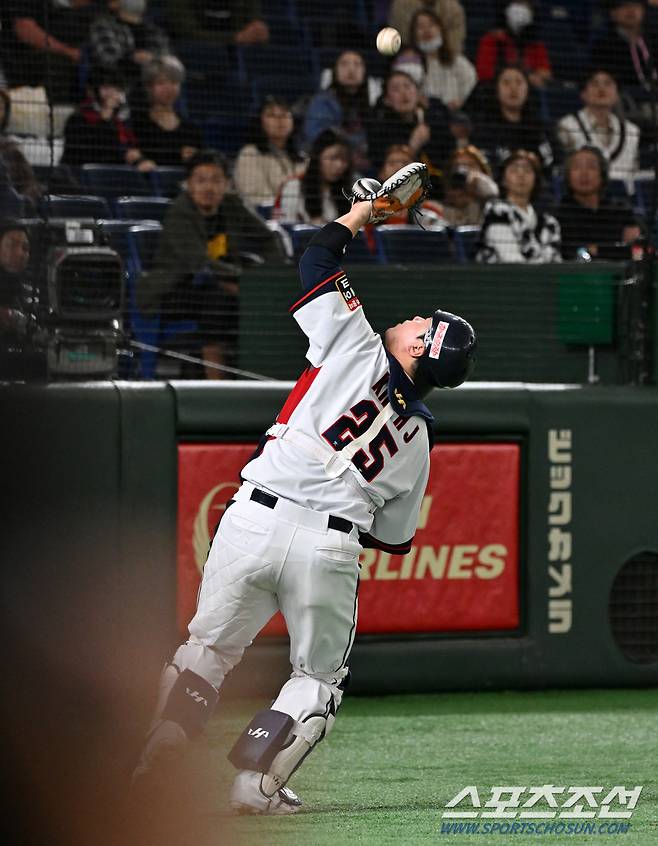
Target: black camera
point(79, 308)
point(458, 178)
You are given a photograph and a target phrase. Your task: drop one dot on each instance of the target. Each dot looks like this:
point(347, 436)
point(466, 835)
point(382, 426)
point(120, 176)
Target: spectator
point(12, 204)
point(397, 156)
point(597, 125)
point(317, 195)
point(17, 359)
point(264, 164)
point(344, 105)
point(21, 175)
point(509, 120)
point(468, 186)
point(513, 231)
point(450, 12)
point(163, 135)
point(588, 217)
point(219, 21)
point(122, 39)
point(624, 49)
point(198, 260)
point(449, 76)
point(401, 118)
point(98, 131)
point(28, 49)
point(513, 42)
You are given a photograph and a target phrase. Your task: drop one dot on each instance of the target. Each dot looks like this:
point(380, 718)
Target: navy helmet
point(449, 356)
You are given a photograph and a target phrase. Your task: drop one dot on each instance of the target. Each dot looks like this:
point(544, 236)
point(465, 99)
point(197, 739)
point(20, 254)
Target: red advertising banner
point(462, 573)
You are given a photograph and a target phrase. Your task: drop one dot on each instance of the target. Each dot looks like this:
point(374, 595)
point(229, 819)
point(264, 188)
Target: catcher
point(344, 467)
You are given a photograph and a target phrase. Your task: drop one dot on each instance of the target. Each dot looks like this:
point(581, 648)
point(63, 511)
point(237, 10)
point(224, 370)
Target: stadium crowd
point(253, 119)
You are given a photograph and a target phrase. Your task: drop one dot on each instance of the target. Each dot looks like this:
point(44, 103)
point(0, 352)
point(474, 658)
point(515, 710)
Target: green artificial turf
point(391, 763)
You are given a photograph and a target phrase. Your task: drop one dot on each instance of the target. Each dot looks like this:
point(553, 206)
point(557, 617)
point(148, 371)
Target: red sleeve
point(536, 57)
point(485, 62)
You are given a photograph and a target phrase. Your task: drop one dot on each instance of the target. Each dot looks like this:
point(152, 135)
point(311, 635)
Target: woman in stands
point(346, 104)
point(514, 42)
point(317, 195)
point(163, 135)
point(98, 131)
point(467, 187)
point(272, 157)
point(449, 76)
point(509, 120)
point(590, 219)
point(404, 116)
point(513, 231)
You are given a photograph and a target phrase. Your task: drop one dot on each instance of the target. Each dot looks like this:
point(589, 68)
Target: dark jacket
point(387, 127)
point(183, 247)
point(582, 226)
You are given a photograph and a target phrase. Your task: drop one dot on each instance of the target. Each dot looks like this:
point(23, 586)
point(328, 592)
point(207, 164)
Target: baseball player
point(344, 467)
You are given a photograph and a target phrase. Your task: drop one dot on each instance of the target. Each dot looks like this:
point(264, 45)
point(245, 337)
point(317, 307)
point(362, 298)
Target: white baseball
point(388, 41)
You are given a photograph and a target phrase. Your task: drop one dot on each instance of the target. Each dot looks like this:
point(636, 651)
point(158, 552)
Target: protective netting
point(158, 154)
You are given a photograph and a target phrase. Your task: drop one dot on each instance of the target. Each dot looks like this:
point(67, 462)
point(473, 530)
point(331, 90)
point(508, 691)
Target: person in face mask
point(124, 39)
point(514, 41)
point(449, 76)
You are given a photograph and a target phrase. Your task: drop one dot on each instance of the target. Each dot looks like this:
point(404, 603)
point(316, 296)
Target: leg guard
point(191, 703)
point(275, 744)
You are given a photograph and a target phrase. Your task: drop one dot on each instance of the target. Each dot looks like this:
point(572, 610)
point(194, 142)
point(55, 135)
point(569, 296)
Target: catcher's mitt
point(406, 189)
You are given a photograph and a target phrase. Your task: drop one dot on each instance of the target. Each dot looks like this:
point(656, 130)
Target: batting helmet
point(449, 355)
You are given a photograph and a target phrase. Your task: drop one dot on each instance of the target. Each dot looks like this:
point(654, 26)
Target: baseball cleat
point(247, 797)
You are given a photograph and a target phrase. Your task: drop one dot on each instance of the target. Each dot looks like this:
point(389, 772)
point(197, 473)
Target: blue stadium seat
point(359, 251)
point(264, 59)
point(226, 132)
point(560, 99)
point(466, 240)
point(644, 195)
point(568, 56)
point(142, 208)
point(407, 244)
point(75, 206)
point(114, 180)
point(166, 181)
point(120, 235)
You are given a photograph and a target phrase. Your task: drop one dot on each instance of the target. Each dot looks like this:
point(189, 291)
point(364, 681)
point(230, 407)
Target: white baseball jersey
point(346, 394)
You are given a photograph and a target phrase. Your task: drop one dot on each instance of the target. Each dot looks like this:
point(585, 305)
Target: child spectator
point(449, 76)
point(163, 135)
point(219, 21)
point(588, 217)
point(198, 260)
point(597, 125)
point(401, 118)
point(467, 187)
point(513, 231)
point(264, 164)
point(345, 104)
point(513, 42)
point(317, 196)
point(98, 132)
point(450, 12)
point(123, 39)
point(509, 120)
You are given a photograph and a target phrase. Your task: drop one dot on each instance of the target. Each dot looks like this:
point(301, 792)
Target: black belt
point(269, 501)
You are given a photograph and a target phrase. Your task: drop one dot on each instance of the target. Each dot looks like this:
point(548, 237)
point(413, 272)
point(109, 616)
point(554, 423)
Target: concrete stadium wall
point(91, 478)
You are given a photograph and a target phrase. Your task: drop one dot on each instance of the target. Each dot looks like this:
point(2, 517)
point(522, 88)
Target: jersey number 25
point(353, 424)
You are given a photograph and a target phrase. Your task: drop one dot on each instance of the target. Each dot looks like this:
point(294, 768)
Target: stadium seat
point(560, 99)
point(289, 86)
point(265, 59)
point(226, 131)
point(466, 240)
point(360, 250)
point(167, 181)
point(112, 181)
point(568, 57)
point(407, 244)
point(644, 195)
point(142, 208)
point(75, 206)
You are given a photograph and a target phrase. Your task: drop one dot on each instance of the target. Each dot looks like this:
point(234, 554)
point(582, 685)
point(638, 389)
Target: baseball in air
point(388, 41)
